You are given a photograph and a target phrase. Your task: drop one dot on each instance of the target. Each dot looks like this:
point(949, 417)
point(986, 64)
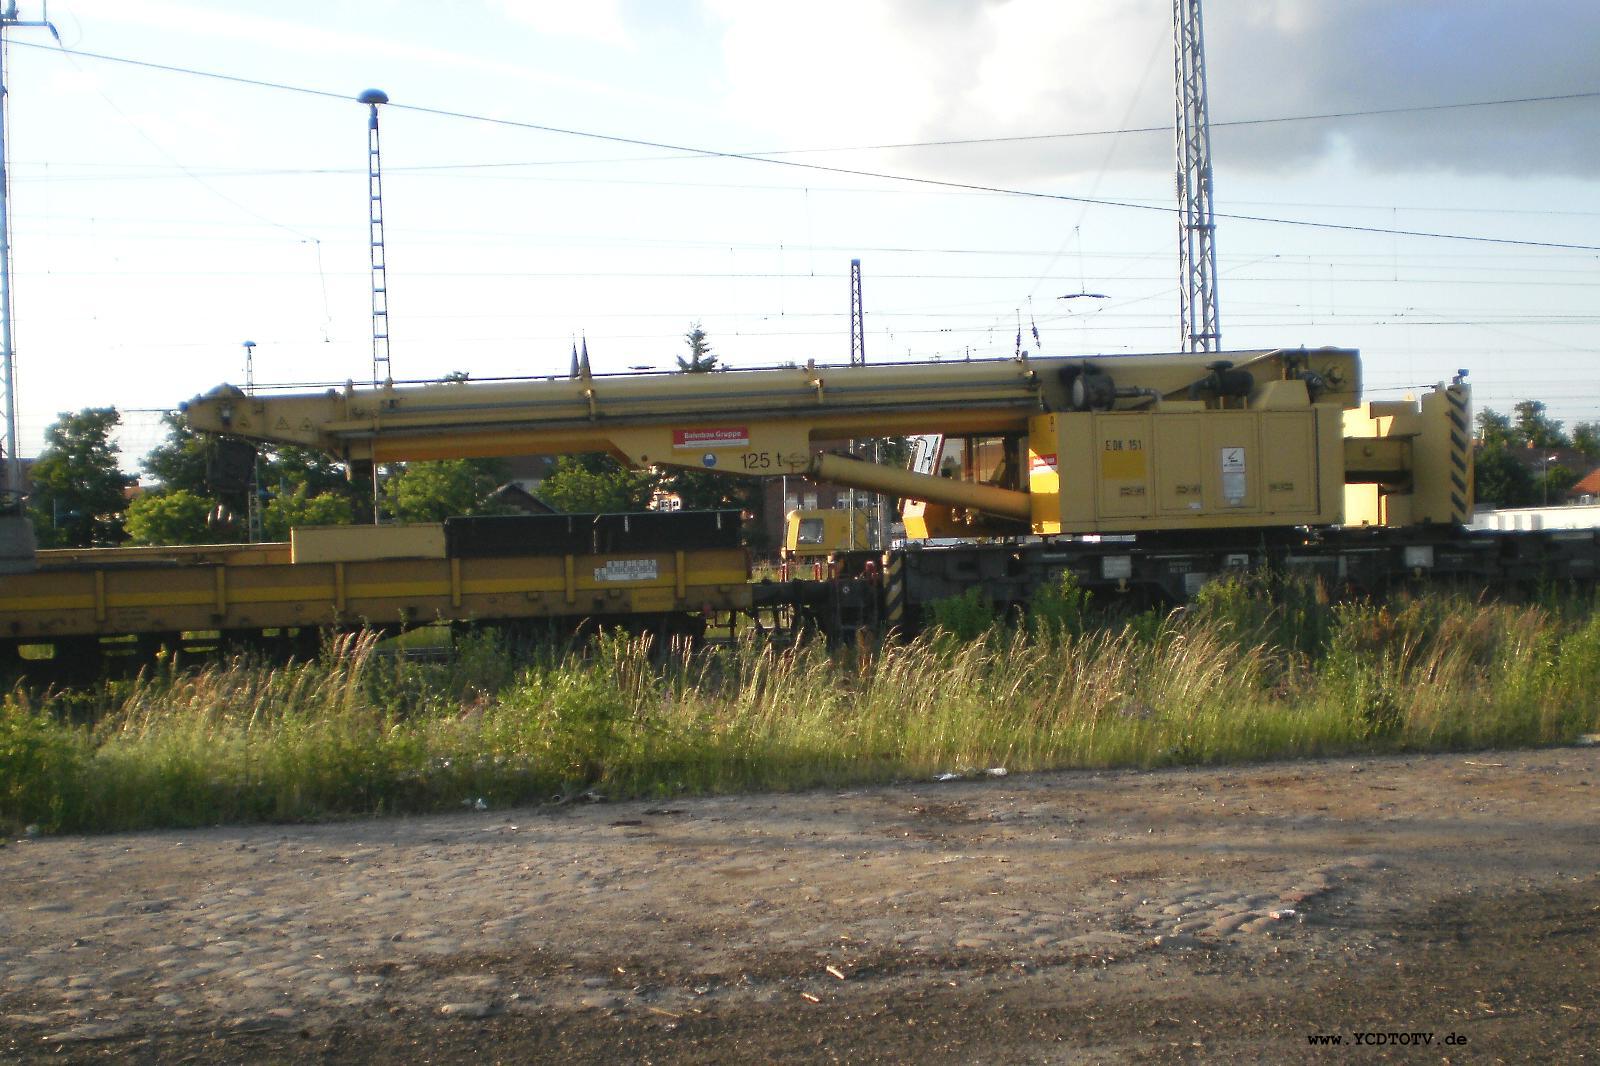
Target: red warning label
point(720, 437)
point(1043, 463)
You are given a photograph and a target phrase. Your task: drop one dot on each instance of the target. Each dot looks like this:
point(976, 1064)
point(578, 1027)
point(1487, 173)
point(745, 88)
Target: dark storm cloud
point(1353, 55)
point(1109, 65)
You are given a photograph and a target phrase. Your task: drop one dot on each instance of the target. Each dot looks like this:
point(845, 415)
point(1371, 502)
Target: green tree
point(701, 358)
point(894, 451)
point(1586, 439)
point(1502, 479)
point(306, 470)
point(180, 461)
point(293, 471)
point(1538, 429)
point(183, 460)
point(77, 488)
point(1553, 484)
point(1494, 428)
point(434, 491)
point(288, 510)
point(176, 517)
point(581, 484)
point(701, 489)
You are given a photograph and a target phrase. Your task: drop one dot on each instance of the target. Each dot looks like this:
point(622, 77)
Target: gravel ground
point(1438, 908)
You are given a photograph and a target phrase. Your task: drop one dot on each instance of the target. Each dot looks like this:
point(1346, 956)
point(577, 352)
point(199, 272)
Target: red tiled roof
point(1588, 485)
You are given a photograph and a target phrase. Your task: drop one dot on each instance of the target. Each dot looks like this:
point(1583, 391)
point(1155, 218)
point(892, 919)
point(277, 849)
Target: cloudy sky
point(1416, 178)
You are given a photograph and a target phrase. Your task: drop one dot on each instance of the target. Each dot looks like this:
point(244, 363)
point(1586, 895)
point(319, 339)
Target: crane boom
point(1097, 444)
point(786, 406)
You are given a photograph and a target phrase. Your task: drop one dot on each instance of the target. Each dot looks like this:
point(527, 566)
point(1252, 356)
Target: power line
point(172, 69)
point(982, 324)
point(148, 172)
point(951, 142)
point(770, 158)
point(758, 275)
point(1350, 262)
point(1167, 130)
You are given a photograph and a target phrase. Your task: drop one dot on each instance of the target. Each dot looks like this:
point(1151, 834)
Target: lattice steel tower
point(381, 373)
point(858, 357)
point(12, 498)
point(1197, 224)
point(858, 318)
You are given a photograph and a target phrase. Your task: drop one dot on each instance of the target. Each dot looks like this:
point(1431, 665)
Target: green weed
point(1247, 673)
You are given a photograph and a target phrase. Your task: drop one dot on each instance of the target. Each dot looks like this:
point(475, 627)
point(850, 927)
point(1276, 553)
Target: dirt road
point(1429, 908)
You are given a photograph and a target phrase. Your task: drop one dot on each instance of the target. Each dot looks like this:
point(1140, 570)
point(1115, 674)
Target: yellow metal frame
point(86, 600)
point(1255, 442)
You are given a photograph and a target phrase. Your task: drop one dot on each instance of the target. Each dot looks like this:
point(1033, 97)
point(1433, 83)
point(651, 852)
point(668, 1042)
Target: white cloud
point(866, 71)
point(830, 71)
point(600, 21)
point(1299, 56)
point(230, 24)
point(863, 71)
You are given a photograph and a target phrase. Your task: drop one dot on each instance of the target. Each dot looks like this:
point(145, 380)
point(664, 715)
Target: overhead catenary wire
point(1322, 116)
point(773, 159)
point(763, 275)
point(1431, 258)
point(56, 177)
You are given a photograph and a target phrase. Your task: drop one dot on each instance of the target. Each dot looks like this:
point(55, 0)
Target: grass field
point(1246, 673)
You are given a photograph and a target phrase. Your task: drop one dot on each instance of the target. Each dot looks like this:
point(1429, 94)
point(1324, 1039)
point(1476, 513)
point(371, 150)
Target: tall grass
point(1246, 673)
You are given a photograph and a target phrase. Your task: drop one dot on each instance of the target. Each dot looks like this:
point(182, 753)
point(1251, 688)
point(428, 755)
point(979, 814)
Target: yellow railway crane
point(1092, 445)
point(1140, 474)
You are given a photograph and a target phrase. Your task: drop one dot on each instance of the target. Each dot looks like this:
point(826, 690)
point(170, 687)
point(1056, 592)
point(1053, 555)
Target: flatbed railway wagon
point(666, 573)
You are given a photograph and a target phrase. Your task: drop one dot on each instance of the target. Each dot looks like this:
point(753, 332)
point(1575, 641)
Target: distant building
point(798, 493)
point(514, 495)
point(1587, 490)
point(1539, 460)
point(528, 472)
point(1531, 518)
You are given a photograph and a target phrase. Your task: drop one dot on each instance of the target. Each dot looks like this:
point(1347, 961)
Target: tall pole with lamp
point(382, 375)
point(253, 515)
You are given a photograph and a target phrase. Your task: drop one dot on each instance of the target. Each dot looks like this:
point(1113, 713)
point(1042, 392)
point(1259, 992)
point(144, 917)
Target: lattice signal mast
point(8, 369)
point(858, 357)
point(1197, 224)
point(381, 372)
point(858, 318)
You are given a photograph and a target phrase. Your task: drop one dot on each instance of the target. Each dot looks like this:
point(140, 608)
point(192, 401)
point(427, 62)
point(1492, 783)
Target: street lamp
point(1545, 477)
point(253, 516)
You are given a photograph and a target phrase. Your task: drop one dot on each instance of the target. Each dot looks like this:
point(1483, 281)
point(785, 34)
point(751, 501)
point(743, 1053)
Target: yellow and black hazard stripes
point(894, 592)
point(1460, 454)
